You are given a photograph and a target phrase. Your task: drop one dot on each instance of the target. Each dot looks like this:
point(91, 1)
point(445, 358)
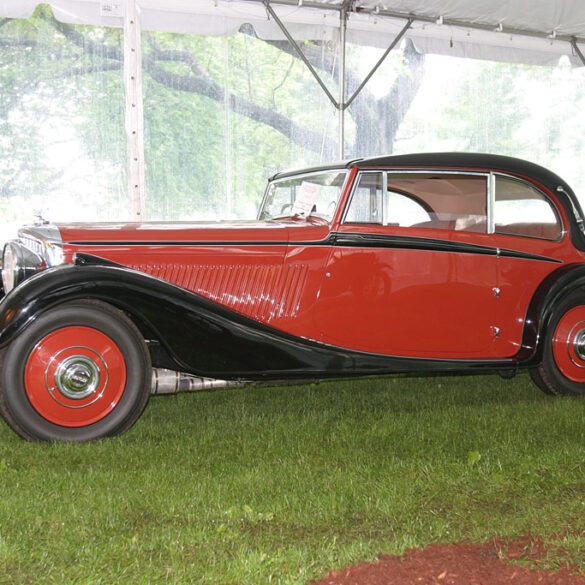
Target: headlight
point(9, 268)
point(18, 263)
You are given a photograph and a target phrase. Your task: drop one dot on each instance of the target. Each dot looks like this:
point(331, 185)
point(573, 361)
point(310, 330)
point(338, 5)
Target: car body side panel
point(273, 284)
point(247, 279)
point(203, 337)
point(390, 300)
point(309, 264)
point(387, 298)
point(520, 279)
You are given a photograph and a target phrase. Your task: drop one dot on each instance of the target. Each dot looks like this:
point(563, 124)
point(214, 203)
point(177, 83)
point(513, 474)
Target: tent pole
point(299, 51)
point(341, 104)
point(398, 38)
point(134, 108)
point(578, 51)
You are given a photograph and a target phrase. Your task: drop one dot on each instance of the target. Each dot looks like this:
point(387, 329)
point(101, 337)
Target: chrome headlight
point(9, 268)
point(18, 263)
point(37, 247)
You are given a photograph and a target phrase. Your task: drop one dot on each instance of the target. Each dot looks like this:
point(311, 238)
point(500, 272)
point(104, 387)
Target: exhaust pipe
point(171, 382)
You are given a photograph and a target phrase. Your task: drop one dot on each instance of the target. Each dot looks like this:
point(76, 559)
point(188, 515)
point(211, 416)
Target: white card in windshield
point(306, 198)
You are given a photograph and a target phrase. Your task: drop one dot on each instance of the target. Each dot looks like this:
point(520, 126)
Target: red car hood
point(160, 232)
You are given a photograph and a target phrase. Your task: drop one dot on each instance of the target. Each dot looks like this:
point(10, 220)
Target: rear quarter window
point(520, 209)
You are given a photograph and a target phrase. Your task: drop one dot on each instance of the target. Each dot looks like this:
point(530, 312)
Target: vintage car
point(416, 263)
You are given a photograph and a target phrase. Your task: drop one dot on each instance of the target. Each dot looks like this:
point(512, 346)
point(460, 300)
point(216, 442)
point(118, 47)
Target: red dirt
point(461, 564)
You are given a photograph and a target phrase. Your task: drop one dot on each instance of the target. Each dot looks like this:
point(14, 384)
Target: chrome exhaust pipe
point(171, 382)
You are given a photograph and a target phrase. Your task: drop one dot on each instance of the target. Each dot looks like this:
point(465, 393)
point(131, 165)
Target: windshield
point(313, 194)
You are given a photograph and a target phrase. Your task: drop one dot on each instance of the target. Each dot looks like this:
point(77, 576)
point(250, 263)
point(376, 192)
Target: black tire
point(133, 388)
point(537, 379)
point(562, 371)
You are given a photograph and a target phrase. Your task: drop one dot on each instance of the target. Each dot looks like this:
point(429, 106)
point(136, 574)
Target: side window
point(437, 201)
point(405, 211)
point(521, 210)
point(366, 202)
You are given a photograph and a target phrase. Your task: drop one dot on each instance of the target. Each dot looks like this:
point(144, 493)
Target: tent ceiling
point(526, 31)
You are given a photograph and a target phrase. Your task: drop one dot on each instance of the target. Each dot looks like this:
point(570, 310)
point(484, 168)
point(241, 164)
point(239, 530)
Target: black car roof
point(469, 160)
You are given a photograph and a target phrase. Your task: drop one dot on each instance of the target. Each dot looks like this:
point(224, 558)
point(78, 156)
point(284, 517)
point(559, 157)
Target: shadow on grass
point(409, 394)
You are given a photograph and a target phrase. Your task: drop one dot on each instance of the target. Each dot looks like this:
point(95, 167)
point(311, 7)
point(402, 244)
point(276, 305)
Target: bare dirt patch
point(498, 562)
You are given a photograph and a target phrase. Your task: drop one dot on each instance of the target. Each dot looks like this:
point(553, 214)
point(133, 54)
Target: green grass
point(279, 485)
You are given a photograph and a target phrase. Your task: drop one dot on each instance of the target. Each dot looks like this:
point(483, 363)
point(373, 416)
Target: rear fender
point(553, 289)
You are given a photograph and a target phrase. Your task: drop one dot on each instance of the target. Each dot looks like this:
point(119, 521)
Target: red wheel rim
point(75, 376)
point(569, 344)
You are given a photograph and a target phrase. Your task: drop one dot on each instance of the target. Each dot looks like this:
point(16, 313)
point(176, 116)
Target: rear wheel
point(562, 370)
point(79, 372)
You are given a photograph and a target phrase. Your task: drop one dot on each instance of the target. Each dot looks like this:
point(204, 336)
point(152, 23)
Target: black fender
point(200, 336)
point(551, 291)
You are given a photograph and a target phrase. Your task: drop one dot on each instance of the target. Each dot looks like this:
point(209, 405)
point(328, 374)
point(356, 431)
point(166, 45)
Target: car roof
point(456, 160)
point(469, 160)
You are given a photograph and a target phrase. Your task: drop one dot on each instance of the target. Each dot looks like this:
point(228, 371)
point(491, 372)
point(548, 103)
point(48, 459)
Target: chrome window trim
point(386, 172)
point(491, 207)
point(343, 170)
point(385, 212)
point(353, 190)
point(553, 205)
point(263, 201)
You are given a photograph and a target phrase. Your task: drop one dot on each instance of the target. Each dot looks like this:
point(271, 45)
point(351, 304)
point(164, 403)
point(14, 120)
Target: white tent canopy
point(522, 31)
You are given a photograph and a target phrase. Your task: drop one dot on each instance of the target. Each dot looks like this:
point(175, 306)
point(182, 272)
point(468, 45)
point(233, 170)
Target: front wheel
point(562, 370)
point(79, 372)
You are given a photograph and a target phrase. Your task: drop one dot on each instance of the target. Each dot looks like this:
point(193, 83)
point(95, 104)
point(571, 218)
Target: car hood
point(220, 231)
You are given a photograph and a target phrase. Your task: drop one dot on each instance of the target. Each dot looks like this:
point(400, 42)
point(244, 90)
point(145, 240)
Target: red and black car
point(418, 263)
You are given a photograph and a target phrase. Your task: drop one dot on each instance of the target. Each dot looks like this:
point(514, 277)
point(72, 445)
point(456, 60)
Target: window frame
point(354, 188)
point(303, 174)
point(492, 223)
point(491, 181)
point(386, 172)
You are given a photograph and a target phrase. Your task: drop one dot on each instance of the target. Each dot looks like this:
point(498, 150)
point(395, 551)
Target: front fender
point(200, 336)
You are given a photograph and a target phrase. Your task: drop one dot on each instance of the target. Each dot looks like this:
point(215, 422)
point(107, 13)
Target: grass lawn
point(279, 485)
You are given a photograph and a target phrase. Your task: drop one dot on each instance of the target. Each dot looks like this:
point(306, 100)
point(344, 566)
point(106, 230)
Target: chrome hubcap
point(579, 344)
point(77, 377)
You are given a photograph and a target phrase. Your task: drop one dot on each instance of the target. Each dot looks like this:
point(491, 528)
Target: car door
point(528, 229)
point(412, 271)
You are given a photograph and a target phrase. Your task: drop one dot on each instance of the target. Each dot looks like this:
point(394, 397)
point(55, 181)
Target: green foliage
point(198, 150)
point(473, 457)
point(61, 121)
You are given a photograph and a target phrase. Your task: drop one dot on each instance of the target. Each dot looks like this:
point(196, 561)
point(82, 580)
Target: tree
point(267, 117)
